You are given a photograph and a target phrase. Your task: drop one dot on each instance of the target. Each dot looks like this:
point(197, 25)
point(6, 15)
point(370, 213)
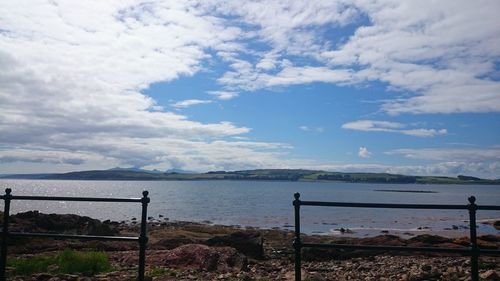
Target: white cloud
point(267, 62)
point(391, 127)
point(245, 77)
point(364, 153)
point(443, 53)
point(440, 56)
point(445, 168)
point(312, 129)
point(188, 103)
point(224, 95)
point(450, 154)
point(71, 77)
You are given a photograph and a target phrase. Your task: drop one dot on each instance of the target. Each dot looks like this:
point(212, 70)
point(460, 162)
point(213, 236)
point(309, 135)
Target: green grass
point(67, 262)
point(87, 263)
point(161, 271)
point(28, 266)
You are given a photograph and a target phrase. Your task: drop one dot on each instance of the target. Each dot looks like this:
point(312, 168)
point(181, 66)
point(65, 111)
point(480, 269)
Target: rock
point(429, 239)
point(95, 227)
point(69, 277)
point(426, 267)
point(172, 243)
point(463, 241)
point(489, 238)
point(33, 221)
point(383, 240)
point(42, 276)
point(321, 254)
point(203, 257)
point(496, 225)
point(249, 243)
point(344, 230)
point(484, 241)
point(490, 275)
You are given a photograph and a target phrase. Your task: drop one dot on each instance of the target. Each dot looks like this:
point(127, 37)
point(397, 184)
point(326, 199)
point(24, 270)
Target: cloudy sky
point(407, 87)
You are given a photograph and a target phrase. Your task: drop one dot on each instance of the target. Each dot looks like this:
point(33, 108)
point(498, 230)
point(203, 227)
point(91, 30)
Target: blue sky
point(378, 86)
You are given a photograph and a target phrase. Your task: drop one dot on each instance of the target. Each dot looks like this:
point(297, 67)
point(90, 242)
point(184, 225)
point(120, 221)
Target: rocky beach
point(193, 251)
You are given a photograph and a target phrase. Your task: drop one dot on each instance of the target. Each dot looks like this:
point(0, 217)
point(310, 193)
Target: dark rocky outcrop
point(248, 243)
point(33, 221)
point(496, 225)
point(385, 240)
point(428, 239)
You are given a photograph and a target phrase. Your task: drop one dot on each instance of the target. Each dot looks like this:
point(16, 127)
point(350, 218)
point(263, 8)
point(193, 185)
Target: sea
point(268, 204)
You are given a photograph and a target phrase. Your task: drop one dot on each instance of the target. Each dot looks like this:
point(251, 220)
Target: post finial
point(145, 199)
point(297, 196)
point(8, 191)
point(472, 199)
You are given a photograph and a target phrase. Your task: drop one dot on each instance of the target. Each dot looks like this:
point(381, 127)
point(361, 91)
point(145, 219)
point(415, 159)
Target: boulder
point(249, 243)
point(324, 254)
point(203, 257)
point(33, 221)
point(496, 225)
point(383, 240)
point(490, 275)
point(430, 239)
point(484, 241)
point(489, 238)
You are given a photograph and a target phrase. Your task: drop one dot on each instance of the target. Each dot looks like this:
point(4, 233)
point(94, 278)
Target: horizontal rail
point(466, 251)
point(473, 251)
point(142, 239)
point(68, 236)
point(82, 199)
point(383, 205)
point(488, 207)
point(489, 251)
point(396, 206)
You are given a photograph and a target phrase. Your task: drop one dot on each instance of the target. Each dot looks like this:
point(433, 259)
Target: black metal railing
point(142, 239)
point(473, 250)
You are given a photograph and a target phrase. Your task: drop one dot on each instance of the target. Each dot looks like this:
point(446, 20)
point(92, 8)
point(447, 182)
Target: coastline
point(266, 254)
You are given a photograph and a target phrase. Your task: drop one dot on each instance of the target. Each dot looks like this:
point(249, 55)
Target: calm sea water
point(267, 204)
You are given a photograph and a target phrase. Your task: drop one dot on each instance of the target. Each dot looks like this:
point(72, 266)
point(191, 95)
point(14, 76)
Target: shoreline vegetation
point(255, 175)
point(179, 250)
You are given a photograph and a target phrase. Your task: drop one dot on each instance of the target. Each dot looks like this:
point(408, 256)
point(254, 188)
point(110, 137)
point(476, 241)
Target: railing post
point(143, 239)
point(5, 233)
point(297, 243)
point(474, 261)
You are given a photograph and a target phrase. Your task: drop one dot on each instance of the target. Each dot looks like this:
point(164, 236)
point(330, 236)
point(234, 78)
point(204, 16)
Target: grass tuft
point(66, 262)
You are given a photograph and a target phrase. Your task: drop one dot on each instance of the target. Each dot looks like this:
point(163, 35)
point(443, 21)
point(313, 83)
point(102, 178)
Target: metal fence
point(142, 239)
point(473, 250)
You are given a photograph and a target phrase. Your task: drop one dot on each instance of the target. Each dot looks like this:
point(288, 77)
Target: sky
point(410, 87)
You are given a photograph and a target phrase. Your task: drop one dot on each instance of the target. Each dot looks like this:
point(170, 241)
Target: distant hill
point(155, 171)
point(256, 175)
point(24, 176)
point(136, 170)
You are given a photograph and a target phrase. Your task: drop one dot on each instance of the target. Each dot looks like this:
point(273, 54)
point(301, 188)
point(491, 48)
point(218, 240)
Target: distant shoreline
point(286, 175)
point(408, 191)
